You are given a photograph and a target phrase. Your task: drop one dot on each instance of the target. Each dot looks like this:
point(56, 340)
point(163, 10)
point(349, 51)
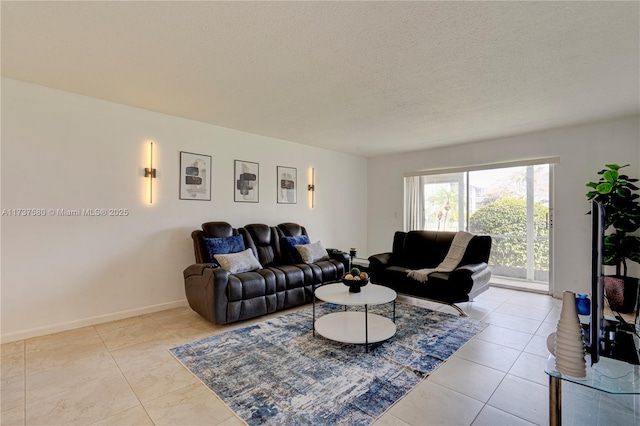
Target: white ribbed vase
point(569, 346)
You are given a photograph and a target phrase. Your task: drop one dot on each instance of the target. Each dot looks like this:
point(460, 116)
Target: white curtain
point(415, 211)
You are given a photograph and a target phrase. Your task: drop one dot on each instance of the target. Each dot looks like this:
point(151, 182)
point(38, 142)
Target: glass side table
point(607, 375)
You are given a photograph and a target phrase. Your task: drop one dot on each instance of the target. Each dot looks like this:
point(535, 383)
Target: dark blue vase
point(583, 305)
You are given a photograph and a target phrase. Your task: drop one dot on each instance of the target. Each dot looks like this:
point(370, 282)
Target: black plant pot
point(621, 293)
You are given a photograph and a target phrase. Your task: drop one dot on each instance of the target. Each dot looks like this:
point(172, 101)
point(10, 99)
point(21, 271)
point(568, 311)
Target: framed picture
point(195, 176)
point(287, 185)
point(246, 182)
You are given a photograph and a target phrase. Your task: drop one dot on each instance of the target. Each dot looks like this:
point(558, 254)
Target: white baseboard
point(70, 325)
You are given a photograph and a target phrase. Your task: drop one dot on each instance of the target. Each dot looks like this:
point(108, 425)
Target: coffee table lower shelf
point(349, 327)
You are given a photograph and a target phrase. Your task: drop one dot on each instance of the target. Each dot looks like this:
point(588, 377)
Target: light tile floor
point(121, 373)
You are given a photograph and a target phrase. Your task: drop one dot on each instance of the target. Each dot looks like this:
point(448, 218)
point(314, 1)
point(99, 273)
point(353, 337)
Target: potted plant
point(616, 193)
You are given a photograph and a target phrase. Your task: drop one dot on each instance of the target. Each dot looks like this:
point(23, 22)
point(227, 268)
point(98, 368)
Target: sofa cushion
point(326, 271)
point(264, 241)
point(226, 245)
point(218, 229)
point(288, 247)
point(425, 249)
point(238, 262)
point(314, 252)
point(292, 229)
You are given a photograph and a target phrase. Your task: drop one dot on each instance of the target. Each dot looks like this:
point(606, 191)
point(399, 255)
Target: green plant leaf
point(610, 176)
point(614, 166)
point(623, 192)
point(604, 188)
point(592, 185)
point(618, 195)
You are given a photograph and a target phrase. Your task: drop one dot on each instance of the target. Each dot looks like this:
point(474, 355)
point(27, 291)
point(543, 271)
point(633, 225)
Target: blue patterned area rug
point(276, 372)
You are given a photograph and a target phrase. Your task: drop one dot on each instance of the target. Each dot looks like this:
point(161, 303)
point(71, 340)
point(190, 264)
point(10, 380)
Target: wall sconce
point(150, 172)
point(312, 187)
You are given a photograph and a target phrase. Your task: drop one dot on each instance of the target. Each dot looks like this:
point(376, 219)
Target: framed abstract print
point(287, 182)
point(195, 176)
point(246, 181)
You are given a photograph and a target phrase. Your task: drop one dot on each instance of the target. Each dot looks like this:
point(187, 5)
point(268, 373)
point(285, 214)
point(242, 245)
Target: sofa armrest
point(198, 269)
point(476, 274)
point(468, 270)
point(340, 256)
point(377, 265)
point(206, 290)
point(380, 260)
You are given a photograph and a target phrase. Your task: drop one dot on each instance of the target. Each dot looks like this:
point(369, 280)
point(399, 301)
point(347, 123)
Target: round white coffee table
point(355, 327)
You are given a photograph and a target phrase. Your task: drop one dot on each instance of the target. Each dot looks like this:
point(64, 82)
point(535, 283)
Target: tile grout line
point(24, 372)
point(174, 334)
point(511, 367)
point(521, 352)
point(505, 373)
point(125, 378)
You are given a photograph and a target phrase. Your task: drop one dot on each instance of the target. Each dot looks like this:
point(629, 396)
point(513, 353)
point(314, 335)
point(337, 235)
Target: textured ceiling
point(367, 78)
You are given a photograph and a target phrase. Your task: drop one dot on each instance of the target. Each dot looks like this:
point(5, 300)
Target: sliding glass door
point(445, 202)
point(511, 204)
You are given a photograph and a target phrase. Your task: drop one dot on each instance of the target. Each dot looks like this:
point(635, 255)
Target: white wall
point(584, 150)
point(61, 150)
point(64, 151)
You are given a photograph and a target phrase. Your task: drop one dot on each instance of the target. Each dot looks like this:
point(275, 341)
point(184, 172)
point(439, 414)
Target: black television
point(607, 337)
point(597, 286)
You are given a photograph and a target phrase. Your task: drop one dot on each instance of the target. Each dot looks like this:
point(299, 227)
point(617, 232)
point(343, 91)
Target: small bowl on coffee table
point(355, 285)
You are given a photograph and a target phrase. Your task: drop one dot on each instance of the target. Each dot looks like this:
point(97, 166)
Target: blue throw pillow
point(288, 246)
point(225, 245)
